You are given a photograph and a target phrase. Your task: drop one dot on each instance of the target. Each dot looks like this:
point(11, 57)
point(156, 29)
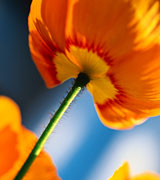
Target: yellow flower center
point(83, 60)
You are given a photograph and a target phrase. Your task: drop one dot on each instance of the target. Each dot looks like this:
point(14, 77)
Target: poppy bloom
point(123, 174)
point(116, 44)
point(16, 142)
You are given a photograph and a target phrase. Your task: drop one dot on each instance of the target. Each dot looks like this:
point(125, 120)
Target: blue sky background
point(81, 147)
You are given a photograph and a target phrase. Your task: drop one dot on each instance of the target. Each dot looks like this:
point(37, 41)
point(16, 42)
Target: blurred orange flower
point(123, 174)
point(16, 142)
point(117, 44)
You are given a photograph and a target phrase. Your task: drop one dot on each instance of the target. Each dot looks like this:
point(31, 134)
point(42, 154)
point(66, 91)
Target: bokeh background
point(81, 147)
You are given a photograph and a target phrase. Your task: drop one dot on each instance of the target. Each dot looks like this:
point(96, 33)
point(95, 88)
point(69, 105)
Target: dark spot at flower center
point(82, 79)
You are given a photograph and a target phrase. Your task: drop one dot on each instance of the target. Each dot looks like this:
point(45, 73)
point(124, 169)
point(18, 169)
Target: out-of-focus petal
point(146, 176)
point(10, 115)
point(9, 152)
point(42, 164)
point(43, 169)
point(122, 173)
point(10, 120)
point(16, 143)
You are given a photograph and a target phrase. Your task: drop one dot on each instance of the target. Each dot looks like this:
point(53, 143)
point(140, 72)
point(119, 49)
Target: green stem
point(80, 82)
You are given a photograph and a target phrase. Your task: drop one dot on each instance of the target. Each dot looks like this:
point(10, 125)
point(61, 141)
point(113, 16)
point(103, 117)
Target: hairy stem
point(80, 82)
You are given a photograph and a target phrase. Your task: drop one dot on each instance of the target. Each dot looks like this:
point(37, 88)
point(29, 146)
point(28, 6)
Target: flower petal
point(118, 28)
point(41, 44)
point(42, 163)
point(122, 173)
point(116, 116)
point(8, 142)
point(54, 14)
point(43, 56)
point(147, 23)
point(102, 89)
point(102, 23)
point(113, 106)
point(10, 119)
point(9, 114)
point(138, 76)
point(15, 137)
point(146, 176)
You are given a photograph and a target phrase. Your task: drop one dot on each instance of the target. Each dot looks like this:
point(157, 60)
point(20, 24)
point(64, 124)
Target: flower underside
point(117, 47)
point(81, 60)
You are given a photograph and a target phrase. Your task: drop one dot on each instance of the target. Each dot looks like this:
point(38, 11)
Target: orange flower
point(117, 44)
point(123, 174)
point(16, 142)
